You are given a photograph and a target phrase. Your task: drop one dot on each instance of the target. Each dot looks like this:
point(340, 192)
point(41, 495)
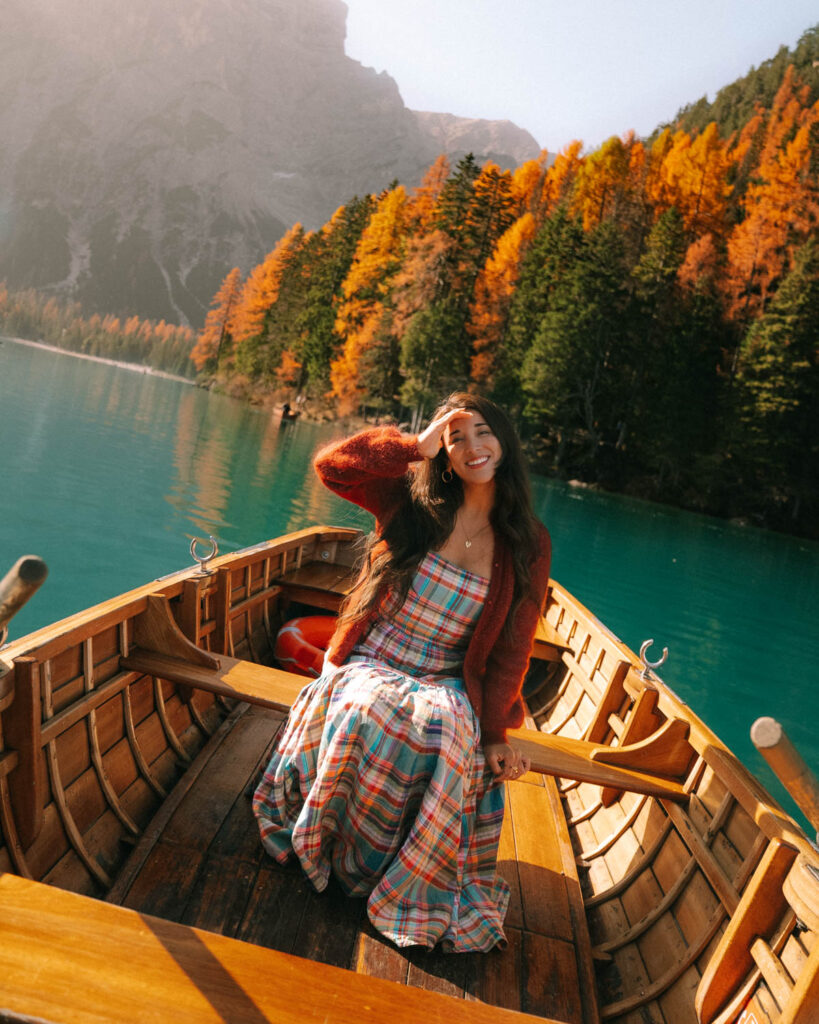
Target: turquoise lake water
point(108, 474)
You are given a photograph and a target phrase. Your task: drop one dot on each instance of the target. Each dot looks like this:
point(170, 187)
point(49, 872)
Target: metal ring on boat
point(650, 664)
point(203, 560)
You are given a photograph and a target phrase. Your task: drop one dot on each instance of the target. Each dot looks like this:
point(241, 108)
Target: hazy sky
point(583, 69)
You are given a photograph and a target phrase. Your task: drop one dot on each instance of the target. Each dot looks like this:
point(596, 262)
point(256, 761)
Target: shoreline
point(133, 367)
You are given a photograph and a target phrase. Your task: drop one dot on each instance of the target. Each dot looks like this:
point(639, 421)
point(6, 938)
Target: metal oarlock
point(648, 665)
point(203, 560)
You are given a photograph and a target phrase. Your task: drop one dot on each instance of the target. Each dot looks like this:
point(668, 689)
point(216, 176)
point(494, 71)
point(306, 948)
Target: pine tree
point(555, 248)
point(574, 374)
point(325, 266)
point(674, 368)
point(474, 209)
point(778, 378)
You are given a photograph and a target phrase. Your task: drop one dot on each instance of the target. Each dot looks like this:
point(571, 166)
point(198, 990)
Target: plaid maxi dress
point(380, 778)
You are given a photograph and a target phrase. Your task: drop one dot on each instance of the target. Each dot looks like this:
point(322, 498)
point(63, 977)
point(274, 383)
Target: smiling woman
point(389, 770)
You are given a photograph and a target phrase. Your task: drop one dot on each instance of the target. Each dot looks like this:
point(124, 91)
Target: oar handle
point(17, 586)
point(770, 740)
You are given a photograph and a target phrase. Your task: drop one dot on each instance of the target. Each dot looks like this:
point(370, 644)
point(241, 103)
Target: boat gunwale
point(749, 792)
point(53, 639)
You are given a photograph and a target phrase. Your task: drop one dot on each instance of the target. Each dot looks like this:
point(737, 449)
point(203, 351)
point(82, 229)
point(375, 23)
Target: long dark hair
point(427, 518)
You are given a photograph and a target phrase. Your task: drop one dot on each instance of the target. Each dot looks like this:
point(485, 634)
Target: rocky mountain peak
point(148, 148)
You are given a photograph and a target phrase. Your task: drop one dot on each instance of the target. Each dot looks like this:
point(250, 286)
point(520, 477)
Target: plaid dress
point(380, 777)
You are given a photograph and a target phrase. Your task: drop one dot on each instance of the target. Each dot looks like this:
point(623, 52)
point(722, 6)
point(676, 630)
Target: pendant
point(467, 543)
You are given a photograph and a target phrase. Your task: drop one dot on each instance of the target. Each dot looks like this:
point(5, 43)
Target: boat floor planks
point(203, 865)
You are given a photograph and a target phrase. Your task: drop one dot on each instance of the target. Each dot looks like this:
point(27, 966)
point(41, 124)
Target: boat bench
point(71, 959)
point(161, 650)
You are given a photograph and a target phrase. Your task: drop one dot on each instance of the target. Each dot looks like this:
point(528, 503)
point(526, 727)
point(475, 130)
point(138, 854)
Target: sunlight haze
point(586, 70)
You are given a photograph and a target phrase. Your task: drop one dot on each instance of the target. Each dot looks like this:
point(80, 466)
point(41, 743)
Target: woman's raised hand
point(431, 439)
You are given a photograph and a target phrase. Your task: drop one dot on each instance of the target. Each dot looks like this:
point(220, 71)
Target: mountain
point(148, 148)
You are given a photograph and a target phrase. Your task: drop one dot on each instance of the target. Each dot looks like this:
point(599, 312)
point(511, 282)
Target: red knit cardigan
point(371, 469)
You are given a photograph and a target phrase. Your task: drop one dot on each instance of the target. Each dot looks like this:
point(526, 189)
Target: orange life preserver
point(301, 643)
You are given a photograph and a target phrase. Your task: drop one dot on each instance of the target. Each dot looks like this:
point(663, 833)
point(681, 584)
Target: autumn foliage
point(620, 302)
point(160, 345)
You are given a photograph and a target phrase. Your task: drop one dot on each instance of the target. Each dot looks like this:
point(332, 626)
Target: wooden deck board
point(207, 869)
point(95, 963)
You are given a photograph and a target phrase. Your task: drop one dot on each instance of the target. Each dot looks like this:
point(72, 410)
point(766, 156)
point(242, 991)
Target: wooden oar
point(17, 586)
point(770, 740)
point(653, 766)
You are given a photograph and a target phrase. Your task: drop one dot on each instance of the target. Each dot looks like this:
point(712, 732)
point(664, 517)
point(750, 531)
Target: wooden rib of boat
point(653, 878)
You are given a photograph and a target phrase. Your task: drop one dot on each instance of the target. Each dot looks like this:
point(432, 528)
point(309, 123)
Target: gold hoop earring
point(445, 478)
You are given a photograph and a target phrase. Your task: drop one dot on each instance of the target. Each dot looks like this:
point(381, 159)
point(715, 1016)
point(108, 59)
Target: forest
point(648, 312)
point(33, 316)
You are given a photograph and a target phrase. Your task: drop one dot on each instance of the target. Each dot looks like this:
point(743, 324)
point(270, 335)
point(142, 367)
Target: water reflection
point(201, 457)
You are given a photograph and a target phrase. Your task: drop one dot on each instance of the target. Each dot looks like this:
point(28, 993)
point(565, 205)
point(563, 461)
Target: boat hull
point(660, 882)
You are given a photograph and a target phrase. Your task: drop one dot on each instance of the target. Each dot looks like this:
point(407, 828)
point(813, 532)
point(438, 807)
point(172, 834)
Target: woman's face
point(474, 451)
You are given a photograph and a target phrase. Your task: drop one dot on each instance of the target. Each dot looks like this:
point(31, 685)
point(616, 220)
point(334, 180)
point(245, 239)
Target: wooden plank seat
point(320, 584)
point(72, 959)
point(647, 767)
point(229, 677)
point(163, 651)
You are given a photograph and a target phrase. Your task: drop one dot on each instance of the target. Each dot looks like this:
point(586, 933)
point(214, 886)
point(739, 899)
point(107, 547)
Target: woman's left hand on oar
point(505, 762)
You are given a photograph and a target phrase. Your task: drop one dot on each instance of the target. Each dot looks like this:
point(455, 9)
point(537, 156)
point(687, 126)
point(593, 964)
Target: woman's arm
point(369, 468)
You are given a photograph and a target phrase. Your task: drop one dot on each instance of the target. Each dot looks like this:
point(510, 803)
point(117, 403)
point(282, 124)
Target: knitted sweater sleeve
point(503, 706)
point(370, 468)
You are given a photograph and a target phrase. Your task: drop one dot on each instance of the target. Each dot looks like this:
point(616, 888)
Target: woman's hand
point(505, 762)
point(431, 439)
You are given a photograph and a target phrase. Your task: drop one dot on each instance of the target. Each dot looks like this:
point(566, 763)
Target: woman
point(388, 772)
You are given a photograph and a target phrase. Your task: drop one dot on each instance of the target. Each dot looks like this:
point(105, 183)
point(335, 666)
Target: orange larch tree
point(494, 290)
point(423, 204)
point(600, 183)
point(693, 177)
point(527, 185)
point(261, 289)
point(559, 178)
point(219, 323)
point(781, 203)
point(365, 294)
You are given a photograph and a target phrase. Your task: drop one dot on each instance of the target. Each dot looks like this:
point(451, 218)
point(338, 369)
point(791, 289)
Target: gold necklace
point(468, 541)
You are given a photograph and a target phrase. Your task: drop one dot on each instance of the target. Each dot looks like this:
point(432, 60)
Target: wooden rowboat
point(653, 878)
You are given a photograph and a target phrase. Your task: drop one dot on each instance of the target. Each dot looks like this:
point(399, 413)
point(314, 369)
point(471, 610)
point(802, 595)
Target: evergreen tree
point(556, 248)
point(574, 374)
point(674, 358)
point(778, 395)
point(475, 207)
point(323, 273)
